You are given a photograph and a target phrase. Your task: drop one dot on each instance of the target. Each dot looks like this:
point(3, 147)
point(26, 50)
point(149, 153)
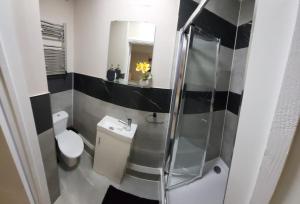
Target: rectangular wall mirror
point(130, 52)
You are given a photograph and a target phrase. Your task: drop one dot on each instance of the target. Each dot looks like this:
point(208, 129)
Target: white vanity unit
point(113, 143)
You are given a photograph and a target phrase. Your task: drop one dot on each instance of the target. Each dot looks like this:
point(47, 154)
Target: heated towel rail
point(54, 47)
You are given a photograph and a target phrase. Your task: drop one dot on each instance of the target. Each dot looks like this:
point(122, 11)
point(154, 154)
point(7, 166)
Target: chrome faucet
point(129, 121)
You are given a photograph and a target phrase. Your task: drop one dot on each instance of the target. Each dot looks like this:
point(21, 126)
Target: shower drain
point(217, 169)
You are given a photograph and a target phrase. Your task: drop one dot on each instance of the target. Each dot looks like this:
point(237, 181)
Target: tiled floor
point(208, 190)
point(84, 186)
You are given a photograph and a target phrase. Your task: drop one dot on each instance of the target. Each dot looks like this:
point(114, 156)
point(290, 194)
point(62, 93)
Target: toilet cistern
point(70, 144)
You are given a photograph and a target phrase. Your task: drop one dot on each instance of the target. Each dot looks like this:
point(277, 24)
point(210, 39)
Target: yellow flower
point(143, 67)
point(138, 67)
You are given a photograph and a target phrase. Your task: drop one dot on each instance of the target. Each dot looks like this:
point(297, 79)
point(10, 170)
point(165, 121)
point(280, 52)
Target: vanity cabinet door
point(111, 155)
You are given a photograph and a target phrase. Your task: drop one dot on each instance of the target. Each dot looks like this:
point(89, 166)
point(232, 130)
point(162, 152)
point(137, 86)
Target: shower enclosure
point(192, 106)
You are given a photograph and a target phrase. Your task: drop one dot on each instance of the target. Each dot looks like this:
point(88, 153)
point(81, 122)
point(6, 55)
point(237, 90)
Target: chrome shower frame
point(180, 67)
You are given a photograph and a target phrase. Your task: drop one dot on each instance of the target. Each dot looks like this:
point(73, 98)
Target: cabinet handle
point(98, 140)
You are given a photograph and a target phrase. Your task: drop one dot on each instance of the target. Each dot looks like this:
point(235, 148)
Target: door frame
point(8, 138)
point(23, 138)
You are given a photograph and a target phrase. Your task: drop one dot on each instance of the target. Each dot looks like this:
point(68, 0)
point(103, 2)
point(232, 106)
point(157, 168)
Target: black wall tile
point(217, 26)
point(234, 102)
point(243, 36)
point(220, 100)
point(199, 102)
point(41, 109)
point(60, 82)
point(196, 102)
point(209, 22)
point(144, 99)
point(186, 8)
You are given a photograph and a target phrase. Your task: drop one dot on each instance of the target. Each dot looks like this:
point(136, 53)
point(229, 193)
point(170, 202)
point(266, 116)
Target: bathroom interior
point(179, 125)
point(144, 98)
point(171, 132)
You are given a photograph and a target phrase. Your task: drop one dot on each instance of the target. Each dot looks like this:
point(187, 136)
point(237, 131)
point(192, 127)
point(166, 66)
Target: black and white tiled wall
point(43, 121)
point(88, 99)
point(149, 143)
point(61, 94)
point(59, 98)
point(237, 79)
point(214, 21)
point(94, 98)
point(144, 99)
point(43, 106)
point(234, 33)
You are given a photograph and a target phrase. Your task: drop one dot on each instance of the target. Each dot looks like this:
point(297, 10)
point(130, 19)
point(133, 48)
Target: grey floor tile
point(84, 185)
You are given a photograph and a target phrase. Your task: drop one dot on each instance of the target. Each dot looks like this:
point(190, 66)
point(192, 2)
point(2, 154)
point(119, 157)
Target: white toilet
point(70, 144)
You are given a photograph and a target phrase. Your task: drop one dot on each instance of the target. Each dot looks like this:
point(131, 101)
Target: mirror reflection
point(130, 52)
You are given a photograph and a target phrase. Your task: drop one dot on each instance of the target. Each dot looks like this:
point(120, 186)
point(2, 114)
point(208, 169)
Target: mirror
point(130, 52)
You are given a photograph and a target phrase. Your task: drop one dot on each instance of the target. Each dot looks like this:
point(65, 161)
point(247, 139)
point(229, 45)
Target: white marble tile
point(223, 79)
point(247, 9)
point(229, 134)
point(238, 70)
point(215, 139)
point(63, 101)
point(48, 150)
point(224, 68)
point(226, 9)
point(225, 58)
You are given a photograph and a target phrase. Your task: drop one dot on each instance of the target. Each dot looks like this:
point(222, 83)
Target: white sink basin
point(118, 129)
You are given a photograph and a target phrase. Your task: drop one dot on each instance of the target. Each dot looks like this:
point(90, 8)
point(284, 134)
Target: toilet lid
point(70, 144)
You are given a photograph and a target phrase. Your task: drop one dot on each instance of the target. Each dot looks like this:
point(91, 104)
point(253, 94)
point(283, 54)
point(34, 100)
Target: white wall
point(288, 189)
point(25, 75)
point(20, 34)
point(92, 25)
point(284, 125)
point(267, 61)
point(59, 12)
point(141, 31)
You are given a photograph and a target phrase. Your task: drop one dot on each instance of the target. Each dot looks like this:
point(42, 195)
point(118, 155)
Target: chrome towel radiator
point(54, 47)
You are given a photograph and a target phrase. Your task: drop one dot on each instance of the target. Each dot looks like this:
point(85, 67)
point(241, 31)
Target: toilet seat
point(70, 144)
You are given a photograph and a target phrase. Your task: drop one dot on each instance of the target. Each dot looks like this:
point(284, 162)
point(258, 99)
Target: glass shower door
point(195, 108)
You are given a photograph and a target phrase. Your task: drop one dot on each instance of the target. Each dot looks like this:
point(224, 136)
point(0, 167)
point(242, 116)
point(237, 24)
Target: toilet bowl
point(69, 143)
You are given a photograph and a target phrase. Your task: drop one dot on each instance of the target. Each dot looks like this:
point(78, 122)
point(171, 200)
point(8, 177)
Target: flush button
point(111, 128)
